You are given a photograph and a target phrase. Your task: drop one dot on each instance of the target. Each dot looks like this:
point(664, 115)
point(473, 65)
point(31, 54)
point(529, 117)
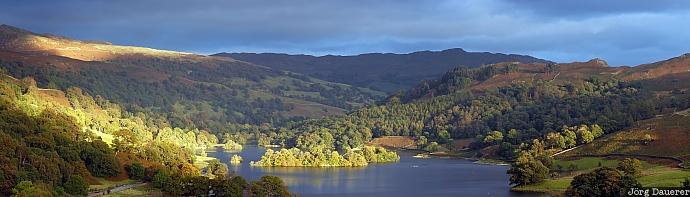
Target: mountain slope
point(666, 136)
point(56, 143)
point(384, 71)
point(191, 91)
point(514, 103)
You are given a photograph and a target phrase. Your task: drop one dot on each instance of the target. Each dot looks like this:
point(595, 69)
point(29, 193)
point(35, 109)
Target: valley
point(85, 118)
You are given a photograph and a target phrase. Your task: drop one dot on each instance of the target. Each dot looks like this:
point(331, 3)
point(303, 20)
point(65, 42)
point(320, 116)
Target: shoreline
point(423, 154)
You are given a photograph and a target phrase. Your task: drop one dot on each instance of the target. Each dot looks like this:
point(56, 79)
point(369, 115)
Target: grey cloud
point(623, 32)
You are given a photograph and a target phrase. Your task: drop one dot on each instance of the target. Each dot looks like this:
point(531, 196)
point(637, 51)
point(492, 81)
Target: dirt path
point(565, 151)
point(116, 189)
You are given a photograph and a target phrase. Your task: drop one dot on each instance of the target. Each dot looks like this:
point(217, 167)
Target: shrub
point(76, 185)
point(269, 186)
point(630, 166)
point(601, 182)
point(135, 171)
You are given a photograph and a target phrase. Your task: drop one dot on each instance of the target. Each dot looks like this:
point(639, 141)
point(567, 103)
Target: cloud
point(626, 32)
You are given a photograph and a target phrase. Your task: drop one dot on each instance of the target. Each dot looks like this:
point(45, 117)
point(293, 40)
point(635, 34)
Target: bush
point(630, 166)
point(232, 146)
point(269, 186)
point(161, 178)
point(432, 147)
point(217, 170)
point(136, 171)
point(99, 159)
point(233, 187)
point(236, 159)
point(601, 182)
point(76, 185)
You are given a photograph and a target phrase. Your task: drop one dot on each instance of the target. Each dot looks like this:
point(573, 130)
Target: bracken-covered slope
point(516, 103)
point(384, 71)
point(192, 90)
point(664, 75)
point(665, 135)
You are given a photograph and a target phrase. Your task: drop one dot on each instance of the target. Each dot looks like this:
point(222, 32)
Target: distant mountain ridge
point(189, 90)
point(665, 74)
point(383, 71)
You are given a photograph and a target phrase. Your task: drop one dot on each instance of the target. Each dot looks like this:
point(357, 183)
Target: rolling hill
point(516, 103)
point(663, 136)
point(382, 71)
point(190, 90)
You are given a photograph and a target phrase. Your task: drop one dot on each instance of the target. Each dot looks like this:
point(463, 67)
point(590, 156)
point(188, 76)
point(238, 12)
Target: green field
point(104, 184)
point(146, 190)
point(588, 163)
point(652, 175)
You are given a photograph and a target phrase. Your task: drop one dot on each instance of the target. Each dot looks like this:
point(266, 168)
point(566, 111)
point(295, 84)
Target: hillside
point(68, 143)
point(664, 136)
point(192, 91)
point(501, 106)
point(382, 71)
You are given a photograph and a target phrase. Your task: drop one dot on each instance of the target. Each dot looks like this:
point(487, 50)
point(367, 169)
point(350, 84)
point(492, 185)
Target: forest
point(518, 112)
point(57, 143)
point(206, 94)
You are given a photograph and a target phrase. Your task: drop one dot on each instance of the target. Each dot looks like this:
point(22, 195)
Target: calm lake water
point(409, 177)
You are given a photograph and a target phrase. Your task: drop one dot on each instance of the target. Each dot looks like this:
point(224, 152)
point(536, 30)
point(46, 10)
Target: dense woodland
point(518, 113)
point(189, 94)
point(53, 148)
point(295, 157)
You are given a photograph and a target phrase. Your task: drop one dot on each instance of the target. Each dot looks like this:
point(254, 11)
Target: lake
point(409, 177)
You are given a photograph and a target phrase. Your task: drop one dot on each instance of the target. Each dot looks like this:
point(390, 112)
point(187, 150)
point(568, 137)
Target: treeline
point(222, 185)
point(295, 157)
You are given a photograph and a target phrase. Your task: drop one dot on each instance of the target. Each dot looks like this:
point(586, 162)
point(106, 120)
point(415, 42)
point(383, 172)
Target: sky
point(622, 32)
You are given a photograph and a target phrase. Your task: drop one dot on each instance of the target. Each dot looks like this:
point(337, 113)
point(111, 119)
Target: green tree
point(597, 131)
point(531, 166)
point(493, 137)
point(235, 159)
point(76, 185)
point(630, 166)
point(601, 182)
point(25, 188)
point(513, 135)
point(135, 171)
point(421, 141)
point(555, 140)
point(570, 138)
point(161, 179)
point(585, 135)
point(432, 147)
point(444, 136)
point(527, 170)
point(217, 170)
point(233, 187)
point(188, 170)
point(99, 159)
point(269, 186)
point(232, 145)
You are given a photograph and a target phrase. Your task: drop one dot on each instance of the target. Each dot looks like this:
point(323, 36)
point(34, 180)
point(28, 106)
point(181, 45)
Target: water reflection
point(409, 177)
